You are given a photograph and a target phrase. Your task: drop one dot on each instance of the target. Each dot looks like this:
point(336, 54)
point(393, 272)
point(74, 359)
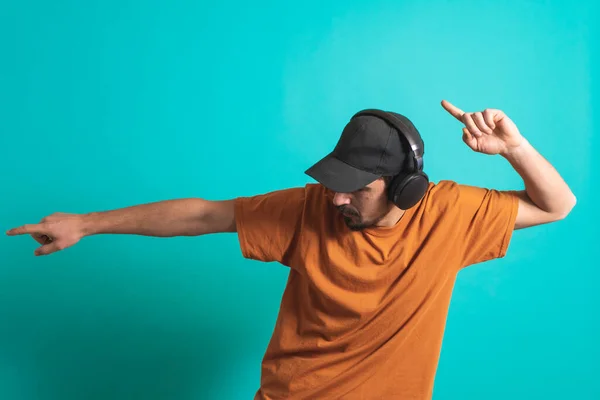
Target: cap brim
point(338, 176)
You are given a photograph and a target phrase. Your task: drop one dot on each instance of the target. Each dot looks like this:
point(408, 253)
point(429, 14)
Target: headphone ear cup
point(406, 190)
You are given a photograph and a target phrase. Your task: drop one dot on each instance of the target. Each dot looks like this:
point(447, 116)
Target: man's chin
point(352, 224)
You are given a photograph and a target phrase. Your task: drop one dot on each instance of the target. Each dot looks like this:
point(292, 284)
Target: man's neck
point(392, 217)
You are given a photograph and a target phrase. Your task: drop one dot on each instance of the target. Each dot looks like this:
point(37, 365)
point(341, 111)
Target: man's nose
point(341, 199)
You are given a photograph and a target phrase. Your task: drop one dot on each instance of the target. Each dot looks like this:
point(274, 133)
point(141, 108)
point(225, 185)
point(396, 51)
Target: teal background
point(106, 104)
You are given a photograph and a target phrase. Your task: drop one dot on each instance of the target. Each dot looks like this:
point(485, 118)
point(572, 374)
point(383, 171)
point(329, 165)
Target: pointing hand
point(54, 232)
point(489, 131)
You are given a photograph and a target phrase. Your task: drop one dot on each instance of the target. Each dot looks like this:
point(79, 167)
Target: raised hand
point(489, 131)
point(54, 232)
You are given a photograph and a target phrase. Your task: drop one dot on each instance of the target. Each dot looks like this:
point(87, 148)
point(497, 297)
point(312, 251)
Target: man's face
point(365, 207)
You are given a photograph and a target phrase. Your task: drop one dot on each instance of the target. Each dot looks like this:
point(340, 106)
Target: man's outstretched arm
point(180, 217)
point(546, 197)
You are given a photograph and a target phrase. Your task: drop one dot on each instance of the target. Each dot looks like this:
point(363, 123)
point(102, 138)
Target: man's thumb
point(48, 249)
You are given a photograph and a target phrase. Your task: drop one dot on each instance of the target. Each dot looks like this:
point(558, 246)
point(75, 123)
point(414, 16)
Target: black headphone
point(409, 186)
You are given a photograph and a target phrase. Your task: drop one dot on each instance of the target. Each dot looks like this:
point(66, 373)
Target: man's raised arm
point(546, 197)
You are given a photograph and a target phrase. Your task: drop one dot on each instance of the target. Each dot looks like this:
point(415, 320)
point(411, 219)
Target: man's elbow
point(569, 205)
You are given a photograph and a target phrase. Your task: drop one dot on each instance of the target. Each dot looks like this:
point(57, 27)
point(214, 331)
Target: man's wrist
point(89, 225)
point(515, 153)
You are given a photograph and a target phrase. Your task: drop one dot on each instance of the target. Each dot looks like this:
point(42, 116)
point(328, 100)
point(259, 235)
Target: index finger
point(25, 229)
point(452, 109)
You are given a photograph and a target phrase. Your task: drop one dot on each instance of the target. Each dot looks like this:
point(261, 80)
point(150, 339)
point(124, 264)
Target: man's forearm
point(180, 217)
point(543, 184)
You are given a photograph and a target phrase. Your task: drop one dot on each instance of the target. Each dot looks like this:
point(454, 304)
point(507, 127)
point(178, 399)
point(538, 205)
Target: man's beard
point(353, 219)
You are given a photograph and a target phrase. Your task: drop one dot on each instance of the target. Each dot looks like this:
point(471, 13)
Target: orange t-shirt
point(363, 313)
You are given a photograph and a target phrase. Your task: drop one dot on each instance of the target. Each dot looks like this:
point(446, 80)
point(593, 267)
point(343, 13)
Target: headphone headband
point(416, 150)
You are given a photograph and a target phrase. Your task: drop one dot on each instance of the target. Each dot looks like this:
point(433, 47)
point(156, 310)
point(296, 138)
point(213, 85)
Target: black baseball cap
point(369, 148)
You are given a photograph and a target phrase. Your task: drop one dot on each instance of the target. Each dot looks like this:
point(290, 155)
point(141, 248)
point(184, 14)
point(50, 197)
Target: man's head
point(372, 149)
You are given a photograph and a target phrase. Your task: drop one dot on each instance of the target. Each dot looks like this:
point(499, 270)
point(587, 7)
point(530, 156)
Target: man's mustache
point(347, 211)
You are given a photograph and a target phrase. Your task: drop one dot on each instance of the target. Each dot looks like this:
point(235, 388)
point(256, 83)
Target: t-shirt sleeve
point(485, 222)
point(268, 225)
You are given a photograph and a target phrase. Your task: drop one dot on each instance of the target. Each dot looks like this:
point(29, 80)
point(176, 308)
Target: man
point(373, 250)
